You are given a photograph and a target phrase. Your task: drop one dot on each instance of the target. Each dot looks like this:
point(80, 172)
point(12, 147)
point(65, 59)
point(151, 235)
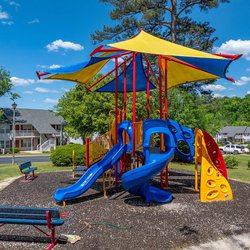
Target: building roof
point(231, 131)
point(39, 118)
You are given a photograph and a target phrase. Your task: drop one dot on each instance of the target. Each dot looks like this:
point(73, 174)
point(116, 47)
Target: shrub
point(248, 164)
point(16, 150)
point(248, 146)
point(62, 155)
point(231, 162)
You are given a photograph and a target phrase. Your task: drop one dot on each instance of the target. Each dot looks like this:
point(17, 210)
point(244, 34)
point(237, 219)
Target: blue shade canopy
point(216, 67)
point(141, 79)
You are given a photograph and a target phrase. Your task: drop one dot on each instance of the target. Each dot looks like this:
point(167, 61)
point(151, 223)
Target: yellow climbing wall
point(213, 185)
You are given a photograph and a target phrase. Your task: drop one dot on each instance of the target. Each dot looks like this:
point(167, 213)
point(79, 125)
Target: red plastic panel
point(215, 154)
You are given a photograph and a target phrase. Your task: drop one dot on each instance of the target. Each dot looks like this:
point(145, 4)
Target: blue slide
point(137, 181)
point(92, 174)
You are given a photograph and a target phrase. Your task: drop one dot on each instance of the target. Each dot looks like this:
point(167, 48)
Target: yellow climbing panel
point(213, 185)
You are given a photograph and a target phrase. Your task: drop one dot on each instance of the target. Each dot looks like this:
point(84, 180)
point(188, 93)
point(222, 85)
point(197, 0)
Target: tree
point(5, 82)
point(6, 85)
point(170, 20)
point(85, 112)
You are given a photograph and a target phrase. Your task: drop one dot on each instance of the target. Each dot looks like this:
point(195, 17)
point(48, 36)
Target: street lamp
point(63, 123)
point(14, 105)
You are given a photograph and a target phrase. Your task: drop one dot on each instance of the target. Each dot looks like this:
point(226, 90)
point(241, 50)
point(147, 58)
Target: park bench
point(26, 168)
point(49, 217)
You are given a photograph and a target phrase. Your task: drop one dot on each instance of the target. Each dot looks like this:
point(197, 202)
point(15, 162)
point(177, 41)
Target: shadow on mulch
point(18, 238)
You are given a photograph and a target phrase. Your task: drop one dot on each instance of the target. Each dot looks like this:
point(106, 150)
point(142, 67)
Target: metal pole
point(13, 133)
point(61, 134)
point(134, 106)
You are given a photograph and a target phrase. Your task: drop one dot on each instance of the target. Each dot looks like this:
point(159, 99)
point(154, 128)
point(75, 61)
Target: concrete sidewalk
point(235, 242)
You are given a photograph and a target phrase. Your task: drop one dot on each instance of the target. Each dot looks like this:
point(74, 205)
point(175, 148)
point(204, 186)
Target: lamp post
point(14, 105)
point(63, 123)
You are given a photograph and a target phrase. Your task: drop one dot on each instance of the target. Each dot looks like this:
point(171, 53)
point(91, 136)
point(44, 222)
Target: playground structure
point(176, 65)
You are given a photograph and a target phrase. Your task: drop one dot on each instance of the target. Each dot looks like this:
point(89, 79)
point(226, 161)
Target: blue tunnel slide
point(137, 181)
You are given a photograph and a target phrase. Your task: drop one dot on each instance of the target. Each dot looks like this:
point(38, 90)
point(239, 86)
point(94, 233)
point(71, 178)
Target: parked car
point(233, 149)
point(245, 149)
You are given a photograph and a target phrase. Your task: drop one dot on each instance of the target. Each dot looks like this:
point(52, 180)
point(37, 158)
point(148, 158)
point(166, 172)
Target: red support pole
point(134, 105)
point(124, 93)
point(152, 71)
point(160, 106)
point(160, 84)
point(109, 73)
point(166, 108)
point(116, 118)
point(148, 91)
point(116, 98)
point(87, 151)
point(166, 88)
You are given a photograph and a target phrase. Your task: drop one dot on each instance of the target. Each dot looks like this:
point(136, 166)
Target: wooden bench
point(26, 168)
point(49, 217)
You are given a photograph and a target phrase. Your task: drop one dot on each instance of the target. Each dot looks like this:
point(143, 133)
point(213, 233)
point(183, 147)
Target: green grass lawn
point(242, 172)
point(25, 153)
point(9, 170)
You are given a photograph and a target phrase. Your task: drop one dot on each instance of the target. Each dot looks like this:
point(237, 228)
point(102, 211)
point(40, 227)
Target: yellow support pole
point(196, 176)
point(104, 185)
point(197, 157)
point(73, 164)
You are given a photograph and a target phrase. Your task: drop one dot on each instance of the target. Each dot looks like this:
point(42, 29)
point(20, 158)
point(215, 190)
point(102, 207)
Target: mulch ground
point(125, 222)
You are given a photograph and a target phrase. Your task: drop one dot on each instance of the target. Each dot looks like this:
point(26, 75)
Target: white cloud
point(28, 92)
point(242, 81)
point(214, 87)
point(16, 81)
point(217, 95)
point(248, 92)
point(3, 14)
point(14, 4)
point(7, 22)
point(36, 20)
point(45, 90)
point(49, 100)
point(235, 47)
point(57, 44)
point(65, 90)
point(54, 66)
point(47, 81)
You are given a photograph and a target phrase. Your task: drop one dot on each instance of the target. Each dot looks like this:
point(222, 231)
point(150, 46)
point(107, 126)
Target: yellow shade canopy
point(146, 43)
point(179, 74)
point(82, 76)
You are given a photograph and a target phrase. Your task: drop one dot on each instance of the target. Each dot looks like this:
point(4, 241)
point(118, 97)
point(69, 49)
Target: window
point(1, 144)
point(7, 144)
point(1, 130)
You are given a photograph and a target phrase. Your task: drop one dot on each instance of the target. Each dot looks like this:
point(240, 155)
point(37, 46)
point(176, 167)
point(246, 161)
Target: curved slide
point(91, 175)
point(137, 181)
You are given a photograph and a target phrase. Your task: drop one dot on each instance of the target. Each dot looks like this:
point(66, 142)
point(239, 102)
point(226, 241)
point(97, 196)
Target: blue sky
point(48, 33)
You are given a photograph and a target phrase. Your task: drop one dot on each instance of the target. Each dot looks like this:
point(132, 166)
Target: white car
point(233, 149)
point(245, 149)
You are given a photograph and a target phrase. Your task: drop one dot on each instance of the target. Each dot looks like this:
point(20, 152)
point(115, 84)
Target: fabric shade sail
point(183, 64)
point(81, 72)
point(141, 79)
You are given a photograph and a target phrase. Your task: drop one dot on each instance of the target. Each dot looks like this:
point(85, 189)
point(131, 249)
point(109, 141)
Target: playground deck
point(182, 223)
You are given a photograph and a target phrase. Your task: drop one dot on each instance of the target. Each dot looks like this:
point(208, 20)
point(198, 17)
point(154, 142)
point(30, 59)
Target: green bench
point(28, 170)
point(49, 217)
